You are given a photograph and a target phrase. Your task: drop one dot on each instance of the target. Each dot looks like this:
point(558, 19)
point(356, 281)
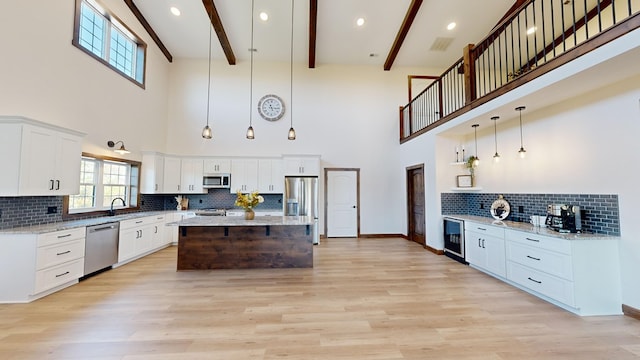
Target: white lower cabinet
point(158, 240)
point(173, 230)
point(36, 265)
point(136, 238)
point(485, 248)
point(580, 275)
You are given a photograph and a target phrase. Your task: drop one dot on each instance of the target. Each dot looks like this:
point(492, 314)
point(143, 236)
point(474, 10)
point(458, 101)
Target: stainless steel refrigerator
point(301, 199)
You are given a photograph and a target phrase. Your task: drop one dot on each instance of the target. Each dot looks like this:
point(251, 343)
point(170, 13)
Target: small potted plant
point(471, 164)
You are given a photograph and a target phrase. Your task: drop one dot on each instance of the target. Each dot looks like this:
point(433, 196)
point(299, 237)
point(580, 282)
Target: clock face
point(271, 107)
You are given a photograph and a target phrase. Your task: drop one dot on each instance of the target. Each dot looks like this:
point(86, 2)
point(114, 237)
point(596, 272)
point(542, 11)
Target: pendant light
point(250, 133)
point(476, 161)
point(292, 132)
point(522, 151)
point(206, 132)
point(496, 157)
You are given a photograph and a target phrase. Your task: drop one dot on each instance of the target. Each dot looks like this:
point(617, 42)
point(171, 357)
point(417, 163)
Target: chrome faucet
point(113, 212)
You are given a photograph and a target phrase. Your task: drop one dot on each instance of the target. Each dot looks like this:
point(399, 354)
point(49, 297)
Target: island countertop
point(222, 221)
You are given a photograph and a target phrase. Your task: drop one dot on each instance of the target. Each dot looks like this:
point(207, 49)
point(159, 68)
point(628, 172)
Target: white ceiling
point(339, 40)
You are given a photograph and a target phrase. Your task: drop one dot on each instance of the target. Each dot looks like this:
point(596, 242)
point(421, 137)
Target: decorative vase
point(249, 214)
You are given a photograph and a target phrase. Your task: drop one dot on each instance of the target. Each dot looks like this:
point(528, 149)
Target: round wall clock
point(271, 107)
point(500, 208)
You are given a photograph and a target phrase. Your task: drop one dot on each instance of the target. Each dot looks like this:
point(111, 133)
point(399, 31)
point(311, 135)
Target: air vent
point(441, 44)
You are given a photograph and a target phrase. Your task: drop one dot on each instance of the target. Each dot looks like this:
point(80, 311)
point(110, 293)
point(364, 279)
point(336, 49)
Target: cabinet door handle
point(483, 229)
point(57, 184)
point(483, 244)
point(62, 253)
point(479, 242)
point(533, 258)
point(156, 229)
point(51, 187)
point(156, 187)
point(63, 236)
point(63, 274)
point(535, 281)
point(534, 240)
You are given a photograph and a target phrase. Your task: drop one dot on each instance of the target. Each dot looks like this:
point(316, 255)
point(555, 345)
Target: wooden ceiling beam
point(136, 12)
point(402, 33)
point(313, 26)
point(217, 26)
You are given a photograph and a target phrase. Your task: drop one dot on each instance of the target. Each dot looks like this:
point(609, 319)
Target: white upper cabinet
point(301, 165)
point(270, 176)
point(191, 176)
point(172, 176)
point(244, 175)
point(217, 166)
point(152, 180)
point(182, 175)
point(39, 159)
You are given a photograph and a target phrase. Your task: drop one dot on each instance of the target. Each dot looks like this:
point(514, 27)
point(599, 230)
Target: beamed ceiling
point(411, 33)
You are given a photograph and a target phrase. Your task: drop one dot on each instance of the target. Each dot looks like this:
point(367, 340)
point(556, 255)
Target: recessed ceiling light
point(264, 16)
point(451, 26)
point(360, 21)
point(532, 30)
point(175, 11)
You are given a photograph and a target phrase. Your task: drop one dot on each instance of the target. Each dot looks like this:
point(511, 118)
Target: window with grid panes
point(102, 35)
point(101, 181)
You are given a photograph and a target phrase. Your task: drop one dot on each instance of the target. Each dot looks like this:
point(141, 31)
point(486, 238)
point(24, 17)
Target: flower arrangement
point(248, 201)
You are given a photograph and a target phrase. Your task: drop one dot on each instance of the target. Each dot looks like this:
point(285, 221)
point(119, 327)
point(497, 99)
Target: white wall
point(346, 114)
point(44, 77)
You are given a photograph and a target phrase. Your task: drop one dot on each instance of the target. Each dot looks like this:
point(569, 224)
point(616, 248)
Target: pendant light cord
point(209, 84)
point(521, 142)
point(251, 71)
point(291, 70)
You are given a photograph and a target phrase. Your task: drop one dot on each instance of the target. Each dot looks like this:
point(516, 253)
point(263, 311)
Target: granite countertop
point(67, 225)
point(526, 227)
point(222, 221)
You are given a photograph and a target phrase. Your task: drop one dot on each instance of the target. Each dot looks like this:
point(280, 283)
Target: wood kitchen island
point(220, 242)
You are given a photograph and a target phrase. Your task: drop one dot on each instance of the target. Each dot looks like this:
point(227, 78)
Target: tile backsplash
point(33, 210)
point(600, 211)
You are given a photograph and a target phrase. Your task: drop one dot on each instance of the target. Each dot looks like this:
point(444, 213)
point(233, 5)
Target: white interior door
point(342, 203)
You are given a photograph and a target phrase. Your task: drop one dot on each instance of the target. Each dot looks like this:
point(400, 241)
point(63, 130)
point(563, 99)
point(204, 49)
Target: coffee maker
point(564, 218)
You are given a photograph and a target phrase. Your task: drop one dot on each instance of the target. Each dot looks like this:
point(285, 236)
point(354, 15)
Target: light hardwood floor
point(364, 299)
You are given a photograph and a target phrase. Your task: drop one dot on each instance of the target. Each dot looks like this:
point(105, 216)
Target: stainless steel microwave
point(216, 181)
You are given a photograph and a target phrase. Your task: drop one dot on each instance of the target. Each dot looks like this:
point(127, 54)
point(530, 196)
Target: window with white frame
point(101, 182)
point(102, 35)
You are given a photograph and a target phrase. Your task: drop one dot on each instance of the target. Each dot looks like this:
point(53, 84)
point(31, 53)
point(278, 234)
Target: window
point(103, 36)
point(101, 182)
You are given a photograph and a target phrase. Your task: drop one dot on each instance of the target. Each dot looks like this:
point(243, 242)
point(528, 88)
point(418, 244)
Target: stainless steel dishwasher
point(101, 247)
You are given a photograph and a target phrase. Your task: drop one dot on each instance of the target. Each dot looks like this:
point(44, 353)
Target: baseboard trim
point(631, 312)
point(381, 236)
point(434, 250)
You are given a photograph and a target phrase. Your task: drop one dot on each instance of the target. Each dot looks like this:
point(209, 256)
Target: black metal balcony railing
point(538, 32)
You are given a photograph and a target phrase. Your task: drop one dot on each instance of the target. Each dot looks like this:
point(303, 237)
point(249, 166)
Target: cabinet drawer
point(58, 275)
point(128, 224)
point(539, 241)
point(59, 253)
point(553, 287)
point(57, 237)
point(484, 229)
point(553, 263)
point(159, 218)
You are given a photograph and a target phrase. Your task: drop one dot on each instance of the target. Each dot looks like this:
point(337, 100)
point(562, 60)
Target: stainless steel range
point(211, 212)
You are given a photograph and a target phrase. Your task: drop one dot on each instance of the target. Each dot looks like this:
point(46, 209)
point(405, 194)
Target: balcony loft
point(572, 47)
